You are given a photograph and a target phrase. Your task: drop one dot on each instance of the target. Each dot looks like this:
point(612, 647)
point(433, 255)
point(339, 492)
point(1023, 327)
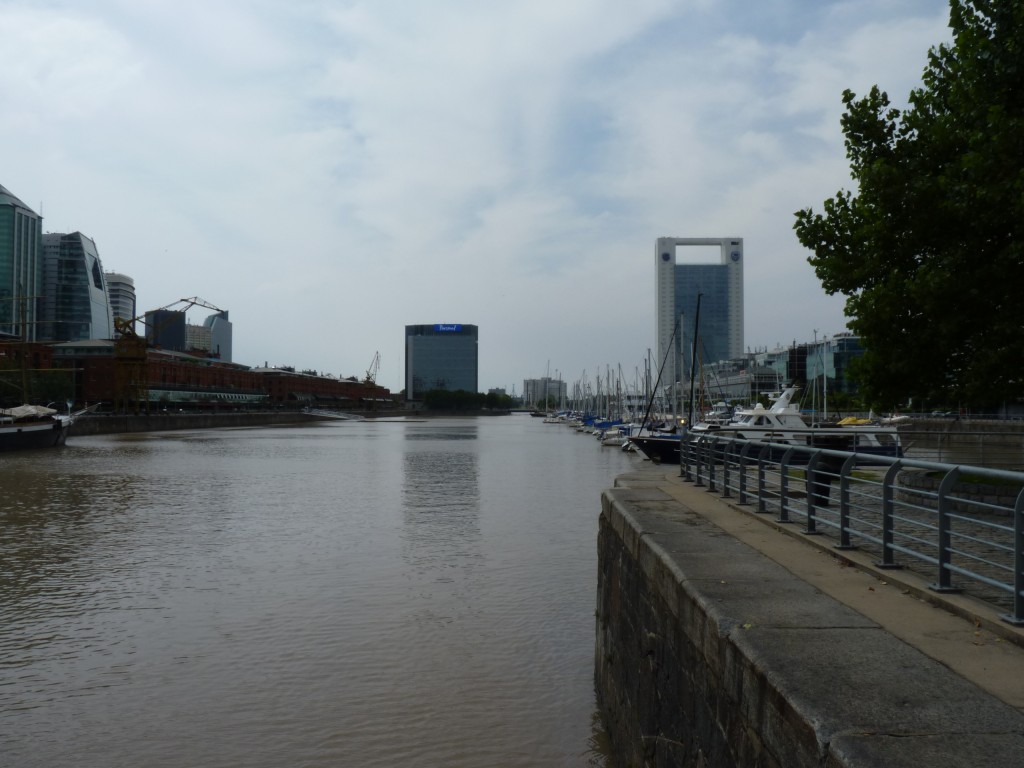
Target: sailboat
point(33, 426)
point(662, 445)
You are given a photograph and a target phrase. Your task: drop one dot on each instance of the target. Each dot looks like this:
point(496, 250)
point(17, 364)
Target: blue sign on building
point(449, 327)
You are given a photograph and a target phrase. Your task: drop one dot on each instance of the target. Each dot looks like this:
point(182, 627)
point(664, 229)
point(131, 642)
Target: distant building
point(821, 367)
point(21, 266)
point(198, 338)
point(720, 286)
point(220, 335)
point(176, 380)
point(165, 329)
point(121, 292)
point(827, 363)
point(74, 304)
point(539, 391)
point(440, 356)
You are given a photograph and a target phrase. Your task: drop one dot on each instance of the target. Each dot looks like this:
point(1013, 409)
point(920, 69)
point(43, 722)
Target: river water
point(378, 593)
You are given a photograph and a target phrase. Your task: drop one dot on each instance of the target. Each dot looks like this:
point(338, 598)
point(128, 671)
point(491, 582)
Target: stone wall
point(977, 442)
point(921, 488)
point(711, 655)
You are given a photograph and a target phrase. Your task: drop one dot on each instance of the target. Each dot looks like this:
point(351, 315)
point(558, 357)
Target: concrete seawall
point(710, 652)
point(106, 425)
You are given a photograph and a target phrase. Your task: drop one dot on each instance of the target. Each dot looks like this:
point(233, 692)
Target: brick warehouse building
point(94, 371)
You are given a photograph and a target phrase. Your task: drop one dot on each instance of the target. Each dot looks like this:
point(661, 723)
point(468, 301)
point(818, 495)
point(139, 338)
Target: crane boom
point(371, 372)
point(195, 301)
point(127, 327)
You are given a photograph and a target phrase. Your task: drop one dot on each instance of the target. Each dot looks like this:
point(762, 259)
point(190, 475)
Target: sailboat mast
point(693, 361)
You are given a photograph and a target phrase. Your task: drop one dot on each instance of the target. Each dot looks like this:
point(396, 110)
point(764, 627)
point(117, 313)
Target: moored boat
point(33, 426)
point(659, 448)
point(783, 424)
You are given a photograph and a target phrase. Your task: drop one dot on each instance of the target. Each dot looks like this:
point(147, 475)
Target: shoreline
point(110, 424)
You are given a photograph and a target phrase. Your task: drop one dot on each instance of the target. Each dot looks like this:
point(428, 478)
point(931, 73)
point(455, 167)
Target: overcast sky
point(330, 171)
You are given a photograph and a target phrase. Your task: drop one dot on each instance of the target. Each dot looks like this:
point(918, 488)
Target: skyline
point(333, 172)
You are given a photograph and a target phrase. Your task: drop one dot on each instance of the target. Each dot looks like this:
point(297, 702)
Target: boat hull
point(19, 437)
point(660, 450)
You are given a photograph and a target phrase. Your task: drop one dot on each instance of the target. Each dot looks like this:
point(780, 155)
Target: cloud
point(330, 172)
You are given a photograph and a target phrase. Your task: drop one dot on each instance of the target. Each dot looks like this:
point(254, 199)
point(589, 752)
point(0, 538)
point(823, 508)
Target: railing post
point(945, 582)
point(888, 517)
point(811, 482)
point(762, 483)
point(844, 503)
point(697, 479)
point(684, 455)
point(1017, 617)
point(712, 449)
point(726, 493)
point(743, 471)
point(784, 486)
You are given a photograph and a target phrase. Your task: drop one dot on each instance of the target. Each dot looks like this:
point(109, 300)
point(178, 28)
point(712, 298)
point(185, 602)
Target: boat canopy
point(27, 411)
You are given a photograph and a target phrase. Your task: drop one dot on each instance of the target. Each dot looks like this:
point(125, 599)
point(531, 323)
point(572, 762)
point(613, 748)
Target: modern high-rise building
point(121, 292)
point(544, 390)
point(21, 267)
point(198, 338)
point(720, 288)
point(165, 329)
point(74, 304)
point(441, 356)
point(220, 335)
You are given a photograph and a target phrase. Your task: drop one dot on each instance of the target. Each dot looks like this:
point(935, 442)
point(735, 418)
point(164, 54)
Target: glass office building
point(220, 335)
point(75, 305)
point(21, 267)
point(720, 288)
point(165, 329)
point(441, 356)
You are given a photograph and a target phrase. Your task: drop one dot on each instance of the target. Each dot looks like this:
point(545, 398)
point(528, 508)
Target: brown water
point(343, 594)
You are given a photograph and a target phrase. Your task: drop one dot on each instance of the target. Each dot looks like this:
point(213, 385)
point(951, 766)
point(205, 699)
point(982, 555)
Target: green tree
point(459, 400)
point(929, 253)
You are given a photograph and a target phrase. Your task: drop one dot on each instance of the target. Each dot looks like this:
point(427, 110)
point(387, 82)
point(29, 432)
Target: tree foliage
point(928, 252)
point(461, 400)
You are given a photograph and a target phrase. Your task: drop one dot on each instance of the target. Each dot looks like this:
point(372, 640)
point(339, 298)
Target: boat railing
point(960, 525)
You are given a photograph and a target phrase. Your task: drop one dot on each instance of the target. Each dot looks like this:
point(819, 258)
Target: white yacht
point(783, 423)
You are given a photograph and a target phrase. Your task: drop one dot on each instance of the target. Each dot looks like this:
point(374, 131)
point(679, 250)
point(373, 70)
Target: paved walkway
point(961, 633)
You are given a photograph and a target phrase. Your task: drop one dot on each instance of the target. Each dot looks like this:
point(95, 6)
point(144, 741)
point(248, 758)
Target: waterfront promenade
point(726, 638)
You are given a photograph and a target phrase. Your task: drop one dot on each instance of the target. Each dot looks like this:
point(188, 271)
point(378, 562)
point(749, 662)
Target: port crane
point(127, 327)
point(371, 372)
point(131, 370)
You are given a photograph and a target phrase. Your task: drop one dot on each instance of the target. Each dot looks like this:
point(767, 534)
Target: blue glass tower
point(440, 356)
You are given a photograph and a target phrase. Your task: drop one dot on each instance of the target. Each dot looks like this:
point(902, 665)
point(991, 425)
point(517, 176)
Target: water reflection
point(441, 503)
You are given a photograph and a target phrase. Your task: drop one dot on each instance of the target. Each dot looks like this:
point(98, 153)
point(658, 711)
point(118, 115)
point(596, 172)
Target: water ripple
point(357, 593)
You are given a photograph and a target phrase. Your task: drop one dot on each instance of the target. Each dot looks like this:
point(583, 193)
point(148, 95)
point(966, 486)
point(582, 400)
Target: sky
point(330, 171)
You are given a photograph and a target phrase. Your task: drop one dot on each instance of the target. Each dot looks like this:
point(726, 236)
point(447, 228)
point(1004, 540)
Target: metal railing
point(961, 525)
